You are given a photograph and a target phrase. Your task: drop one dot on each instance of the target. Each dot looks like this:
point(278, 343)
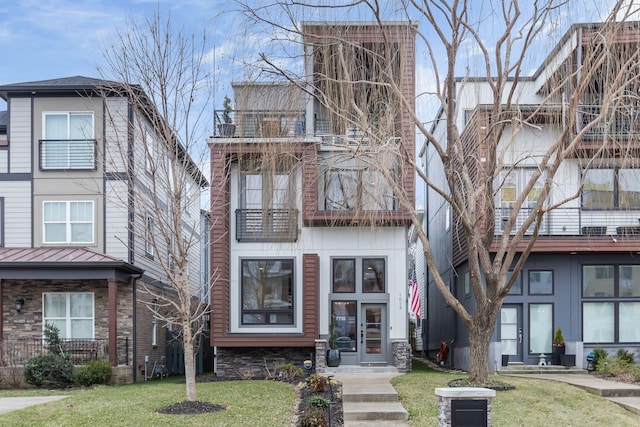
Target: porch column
point(113, 322)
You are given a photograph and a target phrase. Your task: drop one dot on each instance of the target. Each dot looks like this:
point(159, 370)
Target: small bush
point(318, 383)
point(313, 417)
point(624, 356)
point(288, 371)
point(51, 370)
point(52, 338)
point(318, 402)
point(600, 355)
point(95, 372)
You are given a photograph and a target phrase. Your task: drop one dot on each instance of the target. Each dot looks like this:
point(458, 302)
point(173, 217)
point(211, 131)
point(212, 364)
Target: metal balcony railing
point(268, 225)
point(619, 121)
point(17, 351)
point(576, 222)
point(260, 124)
point(67, 154)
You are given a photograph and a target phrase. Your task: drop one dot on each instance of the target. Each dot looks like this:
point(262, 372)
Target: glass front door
point(511, 332)
point(373, 333)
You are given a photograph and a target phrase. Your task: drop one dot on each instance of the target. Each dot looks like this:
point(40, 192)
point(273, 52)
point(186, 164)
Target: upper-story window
point(513, 182)
point(611, 188)
point(68, 222)
point(68, 141)
point(356, 189)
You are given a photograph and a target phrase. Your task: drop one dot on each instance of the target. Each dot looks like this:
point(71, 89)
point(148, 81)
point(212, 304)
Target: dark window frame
point(530, 292)
point(334, 265)
point(267, 312)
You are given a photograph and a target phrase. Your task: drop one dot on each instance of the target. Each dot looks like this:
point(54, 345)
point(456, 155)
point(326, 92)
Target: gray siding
point(116, 220)
point(20, 135)
point(116, 119)
point(17, 213)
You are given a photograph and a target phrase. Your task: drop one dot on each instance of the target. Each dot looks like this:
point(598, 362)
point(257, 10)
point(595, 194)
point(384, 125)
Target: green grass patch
point(533, 402)
point(259, 403)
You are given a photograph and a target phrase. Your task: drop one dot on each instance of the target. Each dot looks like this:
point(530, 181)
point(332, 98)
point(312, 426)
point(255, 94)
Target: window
point(373, 275)
point(356, 189)
point(267, 291)
point(611, 309)
point(541, 328)
point(467, 284)
point(612, 188)
point(346, 322)
point(513, 182)
point(150, 152)
point(72, 313)
point(516, 288)
point(344, 275)
point(154, 322)
point(540, 282)
point(68, 141)
point(68, 222)
point(149, 229)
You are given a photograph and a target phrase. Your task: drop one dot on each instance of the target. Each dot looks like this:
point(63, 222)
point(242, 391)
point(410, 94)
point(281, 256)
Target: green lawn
point(532, 403)
point(249, 403)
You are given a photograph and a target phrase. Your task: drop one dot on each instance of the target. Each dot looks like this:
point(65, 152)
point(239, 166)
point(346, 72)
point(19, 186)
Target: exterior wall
point(19, 135)
point(116, 219)
point(17, 213)
point(145, 350)
point(258, 363)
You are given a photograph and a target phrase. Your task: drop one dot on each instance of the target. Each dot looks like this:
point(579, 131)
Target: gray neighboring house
point(73, 252)
point(583, 274)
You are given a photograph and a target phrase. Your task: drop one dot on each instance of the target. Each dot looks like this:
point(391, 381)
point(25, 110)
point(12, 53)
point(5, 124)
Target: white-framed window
point(154, 323)
point(68, 141)
point(611, 188)
point(68, 222)
point(267, 291)
point(71, 312)
point(149, 229)
point(150, 151)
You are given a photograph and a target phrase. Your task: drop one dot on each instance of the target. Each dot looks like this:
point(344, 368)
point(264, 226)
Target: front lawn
point(248, 403)
point(534, 402)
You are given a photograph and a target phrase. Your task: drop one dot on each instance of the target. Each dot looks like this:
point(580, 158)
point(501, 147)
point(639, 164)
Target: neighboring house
point(294, 241)
point(583, 274)
point(74, 249)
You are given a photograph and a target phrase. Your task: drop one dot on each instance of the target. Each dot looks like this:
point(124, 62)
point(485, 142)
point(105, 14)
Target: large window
point(611, 303)
point(354, 189)
point(68, 222)
point(346, 324)
point(611, 188)
point(541, 330)
point(267, 291)
point(68, 141)
point(72, 313)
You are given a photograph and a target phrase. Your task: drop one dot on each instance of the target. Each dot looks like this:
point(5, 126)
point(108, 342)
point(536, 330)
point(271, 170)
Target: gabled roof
point(63, 84)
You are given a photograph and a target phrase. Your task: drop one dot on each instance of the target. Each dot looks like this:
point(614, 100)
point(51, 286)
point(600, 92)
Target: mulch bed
point(187, 407)
point(335, 412)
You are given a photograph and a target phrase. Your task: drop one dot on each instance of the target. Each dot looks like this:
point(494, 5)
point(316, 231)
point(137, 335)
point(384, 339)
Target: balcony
point(619, 128)
point(570, 222)
point(260, 124)
point(67, 154)
point(268, 225)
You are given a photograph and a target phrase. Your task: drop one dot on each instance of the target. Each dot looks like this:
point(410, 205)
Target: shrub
point(624, 356)
point(600, 355)
point(51, 370)
point(318, 383)
point(318, 402)
point(313, 417)
point(95, 372)
point(288, 371)
point(52, 338)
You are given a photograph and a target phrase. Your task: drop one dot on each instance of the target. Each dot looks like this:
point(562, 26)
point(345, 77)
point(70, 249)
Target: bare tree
point(161, 72)
point(360, 87)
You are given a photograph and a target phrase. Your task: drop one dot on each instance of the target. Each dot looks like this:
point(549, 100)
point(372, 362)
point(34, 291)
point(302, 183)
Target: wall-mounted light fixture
point(19, 304)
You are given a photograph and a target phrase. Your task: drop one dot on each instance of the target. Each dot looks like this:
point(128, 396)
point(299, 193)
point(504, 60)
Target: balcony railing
point(17, 351)
point(576, 222)
point(67, 154)
point(260, 124)
point(268, 225)
point(619, 121)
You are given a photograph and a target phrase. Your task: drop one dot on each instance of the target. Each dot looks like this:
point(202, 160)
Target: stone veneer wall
point(402, 355)
point(237, 363)
point(321, 356)
point(446, 395)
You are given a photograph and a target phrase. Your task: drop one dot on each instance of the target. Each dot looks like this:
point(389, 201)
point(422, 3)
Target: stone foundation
point(239, 363)
point(321, 356)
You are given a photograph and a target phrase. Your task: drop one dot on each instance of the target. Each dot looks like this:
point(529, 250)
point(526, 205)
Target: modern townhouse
point(75, 248)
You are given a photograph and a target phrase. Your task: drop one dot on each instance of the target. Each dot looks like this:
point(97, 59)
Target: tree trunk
point(189, 363)
point(479, 338)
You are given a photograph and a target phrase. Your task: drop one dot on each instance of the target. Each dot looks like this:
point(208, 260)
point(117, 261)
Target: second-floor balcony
point(67, 154)
point(260, 124)
point(618, 122)
point(268, 225)
point(570, 222)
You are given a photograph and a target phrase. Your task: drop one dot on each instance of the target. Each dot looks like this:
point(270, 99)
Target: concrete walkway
point(625, 395)
point(369, 399)
point(8, 404)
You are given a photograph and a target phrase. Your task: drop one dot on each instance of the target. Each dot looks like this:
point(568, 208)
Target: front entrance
point(373, 333)
point(511, 331)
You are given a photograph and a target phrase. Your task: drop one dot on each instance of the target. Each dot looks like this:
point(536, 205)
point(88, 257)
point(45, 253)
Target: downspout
point(134, 284)
point(130, 183)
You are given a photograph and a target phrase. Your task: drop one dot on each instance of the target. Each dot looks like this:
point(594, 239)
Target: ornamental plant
point(558, 339)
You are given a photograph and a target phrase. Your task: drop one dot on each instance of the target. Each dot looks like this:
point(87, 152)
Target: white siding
point(20, 143)
point(116, 124)
point(4, 161)
point(17, 213)
point(116, 219)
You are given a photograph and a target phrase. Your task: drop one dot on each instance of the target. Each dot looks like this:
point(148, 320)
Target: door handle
point(361, 337)
point(520, 335)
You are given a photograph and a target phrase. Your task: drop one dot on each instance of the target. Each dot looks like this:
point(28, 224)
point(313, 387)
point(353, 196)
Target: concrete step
point(631, 404)
point(374, 411)
point(361, 369)
point(535, 369)
point(369, 396)
point(376, 424)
